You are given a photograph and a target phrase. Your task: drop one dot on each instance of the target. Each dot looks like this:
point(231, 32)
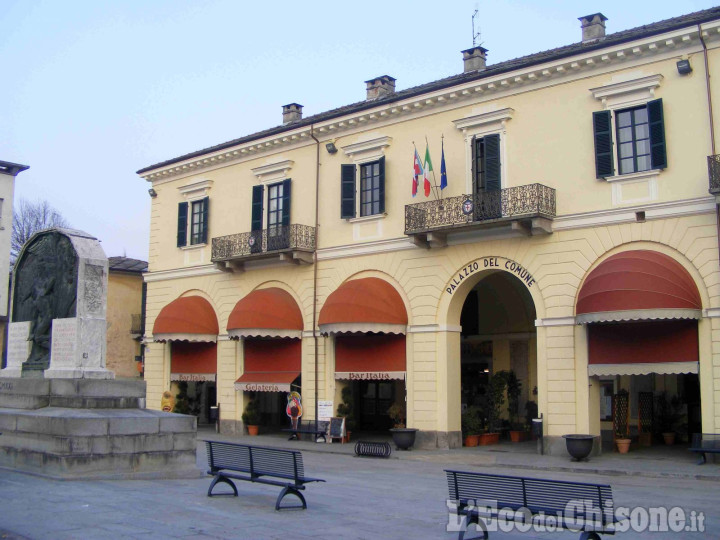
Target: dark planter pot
point(579, 446)
point(403, 438)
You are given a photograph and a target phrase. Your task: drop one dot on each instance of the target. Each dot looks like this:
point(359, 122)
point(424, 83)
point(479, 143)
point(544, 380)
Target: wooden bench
point(705, 443)
point(272, 466)
point(575, 506)
point(310, 427)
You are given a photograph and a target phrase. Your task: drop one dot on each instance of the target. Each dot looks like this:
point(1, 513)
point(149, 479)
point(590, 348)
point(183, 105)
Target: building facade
point(576, 244)
point(8, 172)
point(125, 316)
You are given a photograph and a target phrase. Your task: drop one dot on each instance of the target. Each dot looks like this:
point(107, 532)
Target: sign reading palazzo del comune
point(490, 263)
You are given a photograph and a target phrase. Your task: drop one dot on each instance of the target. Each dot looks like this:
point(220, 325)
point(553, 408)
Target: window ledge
point(642, 175)
point(365, 219)
point(193, 246)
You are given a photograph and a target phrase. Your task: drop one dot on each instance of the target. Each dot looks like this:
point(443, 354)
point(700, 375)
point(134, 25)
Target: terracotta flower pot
point(253, 430)
point(472, 440)
point(623, 445)
point(517, 436)
point(489, 438)
point(669, 438)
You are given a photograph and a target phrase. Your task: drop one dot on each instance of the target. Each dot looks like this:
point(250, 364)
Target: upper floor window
point(486, 163)
point(633, 135)
point(370, 192)
point(198, 222)
point(193, 213)
point(371, 183)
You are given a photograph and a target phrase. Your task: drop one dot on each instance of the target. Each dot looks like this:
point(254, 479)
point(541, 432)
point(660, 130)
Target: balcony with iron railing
point(289, 243)
point(714, 174)
point(529, 209)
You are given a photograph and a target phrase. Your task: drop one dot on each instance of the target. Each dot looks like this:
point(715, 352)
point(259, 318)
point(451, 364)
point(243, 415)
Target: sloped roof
point(126, 264)
point(492, 70)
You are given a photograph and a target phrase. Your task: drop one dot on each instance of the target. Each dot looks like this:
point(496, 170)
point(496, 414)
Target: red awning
point(638, 285)
point(641, 348)
point(268, 381)
point(190, 318)
point(370, 357)
point(268, 312)
point(270, 365)
point(193, 361)
point(364, 305)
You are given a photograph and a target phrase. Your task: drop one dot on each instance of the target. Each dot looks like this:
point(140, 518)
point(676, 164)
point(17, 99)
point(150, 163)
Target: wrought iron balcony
point(531, 207)
point(714, 174)
point(290, 243)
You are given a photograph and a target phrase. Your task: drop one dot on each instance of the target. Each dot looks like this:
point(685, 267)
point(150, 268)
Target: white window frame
point(194, 192)
point(362, 153)
point(616, 97)
point(269, 175)
point(481, 125)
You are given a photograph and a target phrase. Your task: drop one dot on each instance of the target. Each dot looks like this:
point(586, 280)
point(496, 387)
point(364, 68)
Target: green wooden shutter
point(257, 208)
point(347, 191)
point(182, 224)
point(381, 166)
point(602, 129)
point(286, 203)
point(658, 154)
point(473, 165)
point(205, 213)
point(492, 162)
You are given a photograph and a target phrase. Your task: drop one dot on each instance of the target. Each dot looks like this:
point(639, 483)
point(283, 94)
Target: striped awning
point(189, 318)
point(270, 312)
point(364, 305)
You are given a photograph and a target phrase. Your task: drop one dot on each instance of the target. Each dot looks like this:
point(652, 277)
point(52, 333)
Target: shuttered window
point(182, 224)
point(486, 163)
point(199, 221)
point(640, 139)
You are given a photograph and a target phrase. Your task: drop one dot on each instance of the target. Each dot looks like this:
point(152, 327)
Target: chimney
point(292, 113)
point(593, 27)
point(380, 87)
point(474, 59)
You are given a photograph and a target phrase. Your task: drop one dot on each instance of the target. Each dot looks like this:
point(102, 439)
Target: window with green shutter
point(639, 137)
point(182, 224)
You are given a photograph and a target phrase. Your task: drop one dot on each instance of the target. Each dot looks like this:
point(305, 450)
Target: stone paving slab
point(403, 497)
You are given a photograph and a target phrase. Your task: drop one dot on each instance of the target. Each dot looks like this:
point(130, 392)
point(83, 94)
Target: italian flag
point(428, 169)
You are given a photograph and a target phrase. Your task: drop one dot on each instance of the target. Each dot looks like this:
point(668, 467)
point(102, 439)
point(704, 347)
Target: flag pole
point(434, 184)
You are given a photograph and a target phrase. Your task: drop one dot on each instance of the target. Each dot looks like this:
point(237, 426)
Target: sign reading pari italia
point(489, 263)
point(192, 377)
point(370, 375)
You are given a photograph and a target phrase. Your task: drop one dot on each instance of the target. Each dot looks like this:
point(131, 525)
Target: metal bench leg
point(219, 478)
point(589, 535)
point(288, 490)
point(480, 525)
point(703, 459)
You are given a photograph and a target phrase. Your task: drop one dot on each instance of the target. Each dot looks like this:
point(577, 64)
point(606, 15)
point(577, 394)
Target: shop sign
point(370, 375)
point(487, 263)
point(193, 377)
point(325, 410)
point(262, 387)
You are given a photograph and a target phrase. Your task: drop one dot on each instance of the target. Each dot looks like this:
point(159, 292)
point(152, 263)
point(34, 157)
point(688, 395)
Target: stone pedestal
point(18, 348)
point(82, 428)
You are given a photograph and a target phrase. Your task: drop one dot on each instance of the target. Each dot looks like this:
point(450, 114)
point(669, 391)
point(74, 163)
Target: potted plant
point(251, 417)
point(667, 415)
point(495, 397)
point(622, 442)
point(403, 437)
point(471, 426)
point(514, 388)
point(345, 409)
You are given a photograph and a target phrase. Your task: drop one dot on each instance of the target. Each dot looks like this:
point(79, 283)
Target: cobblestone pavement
point(401, 497)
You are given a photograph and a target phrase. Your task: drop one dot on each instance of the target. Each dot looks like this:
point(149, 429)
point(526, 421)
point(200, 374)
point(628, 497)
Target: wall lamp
point(684, 67)
point(331, 148)
point(152, 193)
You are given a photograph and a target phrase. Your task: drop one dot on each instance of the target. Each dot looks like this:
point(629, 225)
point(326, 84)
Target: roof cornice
point(488, 83)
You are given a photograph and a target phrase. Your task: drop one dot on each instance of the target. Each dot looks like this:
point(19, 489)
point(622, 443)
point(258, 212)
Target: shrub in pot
point(514, 389)
point(251, 417)
point(471, 426)
point(345, 409)
point(403, 437)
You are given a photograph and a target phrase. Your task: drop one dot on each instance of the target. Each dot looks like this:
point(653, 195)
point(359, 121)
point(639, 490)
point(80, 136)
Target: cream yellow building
point(125, 316)
point(576, 243)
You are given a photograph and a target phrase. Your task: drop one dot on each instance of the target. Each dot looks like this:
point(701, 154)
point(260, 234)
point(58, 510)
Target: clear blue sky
point(92, 91)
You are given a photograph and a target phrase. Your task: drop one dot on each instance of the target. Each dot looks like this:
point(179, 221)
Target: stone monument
point(62, 413)
point(58, 326)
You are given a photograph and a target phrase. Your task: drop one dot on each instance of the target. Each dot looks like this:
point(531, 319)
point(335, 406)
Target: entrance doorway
point(376, 397)
point(498, 337)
